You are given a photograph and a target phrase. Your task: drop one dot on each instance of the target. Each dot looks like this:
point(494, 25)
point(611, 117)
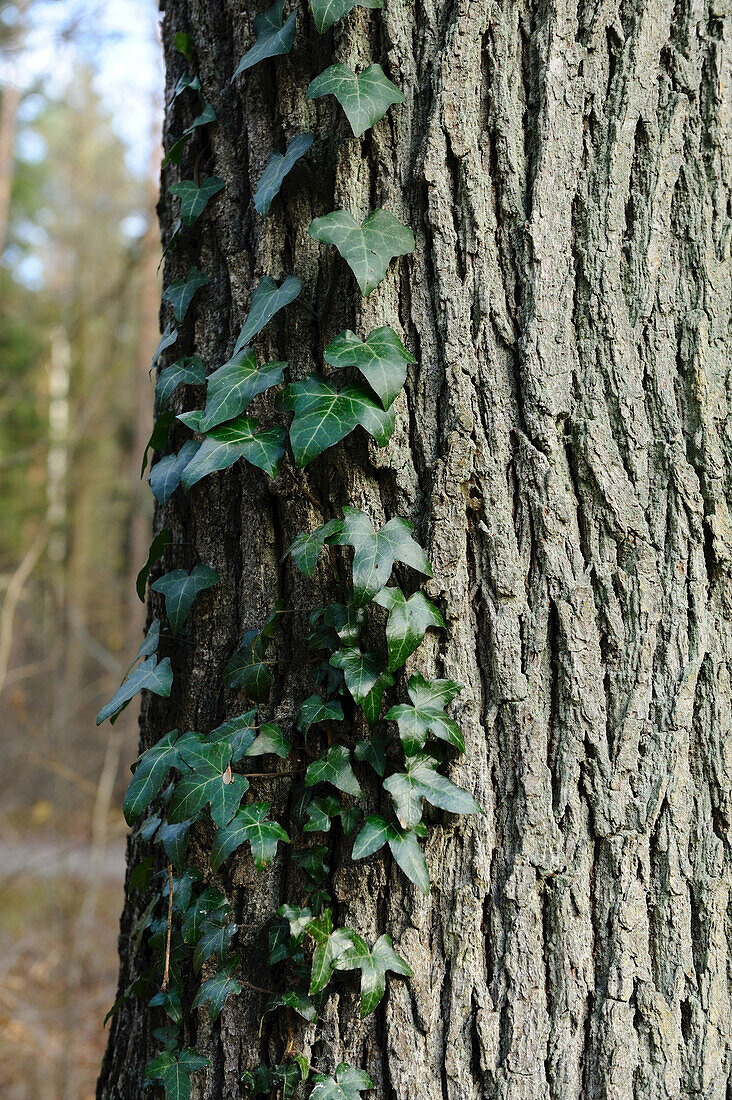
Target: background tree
point(561, 448)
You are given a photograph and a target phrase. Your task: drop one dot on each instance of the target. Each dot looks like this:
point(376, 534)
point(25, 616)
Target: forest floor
point(59, 914)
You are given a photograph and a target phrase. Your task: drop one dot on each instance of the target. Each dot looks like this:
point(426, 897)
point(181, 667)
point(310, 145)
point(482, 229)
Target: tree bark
point(562, 448)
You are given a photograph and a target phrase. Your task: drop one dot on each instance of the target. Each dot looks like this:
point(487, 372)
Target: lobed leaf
point(226, 444)
point(334, 767)
point(180, 590)
point(249, 825)
point(181, 293)
point(274, 37)
point(408, 622)
point(233, 386)
point(328, 12)
point(382, 359)
point(367, 248)
point(324, 416)
point(267, 300)
point(189, 370)
point(365, 97)
point(148, 676)
point(195, 198)
point(375, 552)
point(166, 474)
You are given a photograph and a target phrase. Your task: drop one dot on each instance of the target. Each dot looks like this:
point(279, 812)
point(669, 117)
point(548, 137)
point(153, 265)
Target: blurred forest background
point(80, 109)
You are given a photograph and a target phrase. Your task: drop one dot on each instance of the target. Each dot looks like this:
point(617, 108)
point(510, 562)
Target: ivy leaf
point(297, 1001)
point(180, 590)
point(375, 552)
point(366, 678)
point(319, 813)
point(186, 81)
point(174, 1071)
point(334, 767)
point(206, 907)
point(373, 752)
point(157, 549)
point(207, 115)
point(180, 293)
point(232, 387)
point(193, 199)
point(184, 44)
point(315, 710)
point(174, 839)
point(273, 37)
point(373, 837)
point(215, 939)
point(365, 98)
point(225, 445)
point(167, 340)
point(158, 437)
point(238, 733)
point(267, 300)
point(150, 770)
point(246, 670)
point(329, 946)
point(373, 965)
point(215, 990)
point(305, 549)
point(323, 416)
point(149, 676)
point(208, 781)
point(348, 1084)
point(430, 697)
point(191, 419)
point(328, 12)
point(382, 359)
point(409, 856)
point(367, 248)
point(408, 622)
point(166, 474)
point(278, 166)
point(281, 1081)
point(189, 370)
point(271, 739)
point(249, 824)
point(421, 780)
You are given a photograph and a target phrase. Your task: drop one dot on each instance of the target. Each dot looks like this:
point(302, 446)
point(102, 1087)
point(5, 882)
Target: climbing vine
point(216, 776)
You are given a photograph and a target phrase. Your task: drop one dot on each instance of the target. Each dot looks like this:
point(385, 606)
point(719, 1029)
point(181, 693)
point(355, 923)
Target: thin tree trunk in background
point(9, 103)
point(563, 449)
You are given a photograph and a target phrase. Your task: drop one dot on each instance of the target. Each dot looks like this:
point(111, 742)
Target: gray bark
point(562, 447)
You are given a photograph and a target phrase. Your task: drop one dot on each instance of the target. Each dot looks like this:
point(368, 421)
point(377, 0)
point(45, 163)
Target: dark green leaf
point(193, 199)
point(277, 168)
point(249, 824)
point(174, 839)
point(315, 710)
point(408, 622)
point(366, 678)
point(149, 676)
point(180, 590)
point(149, 775)
point(367, 248)
point(166, 474)
point(238, 733)
point(189, 370)
point(211, 905)
point(232, 387)
point(174, 154)
point(209, 780)
point(267, 300)
point(382, 359)
point(155, 553)
point(375, 552)
point(428, 714)
point(246, 670)
point(215, 990)
point(225, 445)
point(328, 12)
point(374, 965)
point(324, 416)
point(297, 1001)
point(373, 752)
point(158, 438)
point(334, 767)
point(185, 82)
point(184, 44)
point(167, 340)
point(215, 939)
point(305, 549)
point(169, 1001)
point(319, 813)
point(174, 1072)
point(372, 837)
point(273, 37)
point(421, 780)
point(348, 1084)
point(365, 98)
point(191, 419)
point(180, 293)
point(329, 946)
point(270, 739)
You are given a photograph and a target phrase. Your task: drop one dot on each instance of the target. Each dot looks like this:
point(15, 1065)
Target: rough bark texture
point(562, 447)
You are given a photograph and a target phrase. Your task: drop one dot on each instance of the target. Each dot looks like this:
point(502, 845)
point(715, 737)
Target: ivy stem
point(269, 775)
point(169, 936)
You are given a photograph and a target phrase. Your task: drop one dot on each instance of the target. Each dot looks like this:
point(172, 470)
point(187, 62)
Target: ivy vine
point(190, 776)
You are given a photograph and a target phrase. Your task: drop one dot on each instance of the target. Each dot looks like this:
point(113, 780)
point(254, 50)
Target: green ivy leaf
point(408, 622)
point(314, 710)
point(207, 115)
point(382, 359)
point(267, 300)
point(430, 697)
point(403, 844)
point(215, 939)
point(150, 642)
point(278, 166)
point(246, 670)
point(174, 839)
point(158, 437)
point(368, 248)
point(281, 1081)
point(180, 590)
point(180, 293)
point(374, 965)
point(157, 549)
point(348, 1084)
point(323, 416)
point(373, 752)
point(189, 370)
point(215, 990)
point(297, 1001)
point(211, 904)
point(329, 946)
point(174, 1071)
point(209, 780)
point(422, 781)
point(366, 678)
point(328, 12)
point(225, 445)
point(191, 419)
point(184, 44)
point(149, 676)
point(305, 549)
point(334, 767)
point(232, 387)
point(249, 824)
point(375, 552)
point(193, 199)
point(185, 82)
point(270, 739)
point(169, 1001)
point(365, 98)
point(372, 837)
point(319, 813)
point(149, 772)
point(167, 340)
point(166, 474)
point(312, 863)
point(273, 37)
point(238, 733)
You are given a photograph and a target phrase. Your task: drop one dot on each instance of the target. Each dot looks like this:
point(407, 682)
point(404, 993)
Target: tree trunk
point(561, 449)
